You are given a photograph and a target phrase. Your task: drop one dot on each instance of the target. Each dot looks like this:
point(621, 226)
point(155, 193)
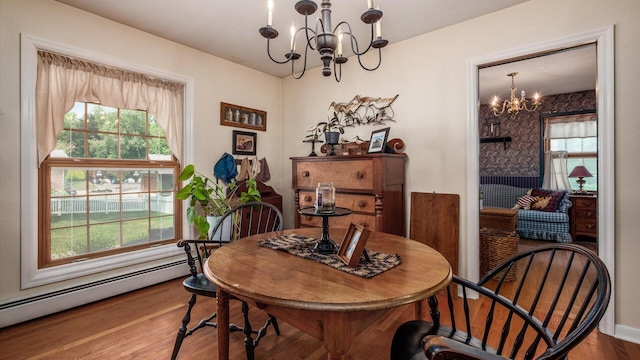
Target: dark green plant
point(207, 198)
point(333, 124)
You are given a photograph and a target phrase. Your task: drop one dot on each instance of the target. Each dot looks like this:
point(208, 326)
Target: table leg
point(337, 335)
point(421, 310)
point(223, 325)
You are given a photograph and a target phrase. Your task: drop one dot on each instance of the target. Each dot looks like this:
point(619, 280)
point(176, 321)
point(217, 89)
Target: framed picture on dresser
point(378, 141)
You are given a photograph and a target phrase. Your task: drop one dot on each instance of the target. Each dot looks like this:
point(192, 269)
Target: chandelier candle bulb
point(339, 49)
point(293, 34)
point(379, 27)
point(369, 4)
point(270, 13)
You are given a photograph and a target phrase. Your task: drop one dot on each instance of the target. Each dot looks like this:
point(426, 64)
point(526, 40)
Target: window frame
point(545, 143)
point(44, 230)
point(102, 268)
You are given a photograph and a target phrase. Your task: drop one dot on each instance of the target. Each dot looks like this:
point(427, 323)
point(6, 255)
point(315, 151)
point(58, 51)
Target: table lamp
point(580, 172)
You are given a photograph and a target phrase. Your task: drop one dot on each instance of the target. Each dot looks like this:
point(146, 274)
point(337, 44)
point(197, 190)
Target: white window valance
point(63, 80)
point(575, 126)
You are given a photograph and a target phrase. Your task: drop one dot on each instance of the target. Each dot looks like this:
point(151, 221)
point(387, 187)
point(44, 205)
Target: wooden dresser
point(371, 185)
point(583, 216)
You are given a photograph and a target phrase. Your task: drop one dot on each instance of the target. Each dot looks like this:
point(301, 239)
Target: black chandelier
point(326, 41)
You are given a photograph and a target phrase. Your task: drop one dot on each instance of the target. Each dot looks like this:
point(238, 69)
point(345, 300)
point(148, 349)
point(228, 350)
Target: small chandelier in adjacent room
point(324, 39)
point(514, 105)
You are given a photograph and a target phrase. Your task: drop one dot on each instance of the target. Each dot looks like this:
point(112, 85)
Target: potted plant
point(332, 129)
point(208, 200)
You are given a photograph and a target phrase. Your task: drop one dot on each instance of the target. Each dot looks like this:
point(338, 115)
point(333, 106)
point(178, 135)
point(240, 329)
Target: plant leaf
point(187, 172)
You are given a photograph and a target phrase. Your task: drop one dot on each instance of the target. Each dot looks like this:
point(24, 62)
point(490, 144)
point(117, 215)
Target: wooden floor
point(143, 324)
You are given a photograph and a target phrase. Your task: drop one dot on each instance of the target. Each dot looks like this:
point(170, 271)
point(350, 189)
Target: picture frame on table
point(378, 142)
point(353, 244)
point(244, 143)
point(242, 117)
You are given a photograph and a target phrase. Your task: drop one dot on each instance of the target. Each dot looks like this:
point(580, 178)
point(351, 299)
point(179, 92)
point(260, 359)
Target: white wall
point(214, 79)
point(429, 73)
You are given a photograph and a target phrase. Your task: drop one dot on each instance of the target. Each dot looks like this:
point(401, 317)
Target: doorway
point(603, 38)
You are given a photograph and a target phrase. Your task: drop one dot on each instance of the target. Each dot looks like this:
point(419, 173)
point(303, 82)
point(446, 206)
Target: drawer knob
point(307, 198)
point(362, 203)
point(305, 173)
point(359, 174)
point(590, 226)
point(589, 214)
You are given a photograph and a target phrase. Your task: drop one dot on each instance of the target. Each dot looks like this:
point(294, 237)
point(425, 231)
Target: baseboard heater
point(40, 305)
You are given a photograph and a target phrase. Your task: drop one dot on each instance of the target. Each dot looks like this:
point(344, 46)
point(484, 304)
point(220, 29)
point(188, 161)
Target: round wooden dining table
point(329, 304)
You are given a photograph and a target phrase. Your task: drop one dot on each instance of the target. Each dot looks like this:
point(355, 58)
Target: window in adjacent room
point(577, 135)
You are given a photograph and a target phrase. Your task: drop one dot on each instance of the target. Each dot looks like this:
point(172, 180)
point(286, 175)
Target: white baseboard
point(41, 306)
point(627, 333)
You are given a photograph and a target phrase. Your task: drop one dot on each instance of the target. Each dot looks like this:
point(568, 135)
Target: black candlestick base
point(325, 245)
point(331, 151)
point(313, 146)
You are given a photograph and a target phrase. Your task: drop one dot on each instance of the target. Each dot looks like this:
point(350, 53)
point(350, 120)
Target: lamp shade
point(580, 171)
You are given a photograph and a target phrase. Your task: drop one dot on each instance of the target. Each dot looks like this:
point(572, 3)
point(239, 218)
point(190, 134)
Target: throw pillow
point(555, 197)
point(525, 202)
point(541, 203)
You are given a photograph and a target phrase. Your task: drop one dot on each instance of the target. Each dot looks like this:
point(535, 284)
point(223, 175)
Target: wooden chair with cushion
point(245, 220)
point(560, 294)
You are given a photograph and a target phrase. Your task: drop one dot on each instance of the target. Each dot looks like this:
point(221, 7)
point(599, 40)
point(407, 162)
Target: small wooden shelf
point(494, 139)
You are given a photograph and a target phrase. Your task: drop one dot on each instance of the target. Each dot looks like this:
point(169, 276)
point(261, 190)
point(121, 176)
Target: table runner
point(302, 246)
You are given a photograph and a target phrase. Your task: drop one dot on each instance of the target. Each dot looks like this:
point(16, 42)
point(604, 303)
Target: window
point(108, 186)
point(577, 135)
point(109, 145)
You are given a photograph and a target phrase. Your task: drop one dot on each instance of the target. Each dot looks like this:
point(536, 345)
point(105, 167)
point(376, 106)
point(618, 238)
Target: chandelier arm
point(535, 106)
point(271, 57)
point(374, 68)
point(335, 72)
point(504, 106)
point(309, 39)
point(315, 33)
point(354, 41)
point(304, 67)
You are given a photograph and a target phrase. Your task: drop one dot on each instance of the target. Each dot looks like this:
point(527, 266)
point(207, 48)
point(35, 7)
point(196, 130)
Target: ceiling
point(229, 30)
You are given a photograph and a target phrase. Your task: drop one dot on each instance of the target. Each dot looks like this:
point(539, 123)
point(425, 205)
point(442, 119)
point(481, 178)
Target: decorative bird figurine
point(358, 140)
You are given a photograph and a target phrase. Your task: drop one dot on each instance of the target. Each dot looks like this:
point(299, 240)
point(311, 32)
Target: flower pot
point(224, 232)
point(332, 137)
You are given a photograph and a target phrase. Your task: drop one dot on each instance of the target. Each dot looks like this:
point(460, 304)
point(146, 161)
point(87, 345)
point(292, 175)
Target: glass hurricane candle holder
point(325, 198)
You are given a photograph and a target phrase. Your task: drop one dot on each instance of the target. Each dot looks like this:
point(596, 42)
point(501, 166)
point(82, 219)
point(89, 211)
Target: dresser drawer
point(582, 203)
point(586, 226)
point(368, 221)
point(355, 202)
point(586, 213)
point(356, 174)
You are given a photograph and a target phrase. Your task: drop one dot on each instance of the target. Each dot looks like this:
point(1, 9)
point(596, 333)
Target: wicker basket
point(495, 247)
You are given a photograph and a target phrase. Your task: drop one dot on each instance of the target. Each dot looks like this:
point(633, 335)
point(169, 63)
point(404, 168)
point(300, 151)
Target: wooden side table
point(499, 218)
point(583, 216)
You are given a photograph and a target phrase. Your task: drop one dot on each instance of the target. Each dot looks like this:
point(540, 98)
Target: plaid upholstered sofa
point(532, 224)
